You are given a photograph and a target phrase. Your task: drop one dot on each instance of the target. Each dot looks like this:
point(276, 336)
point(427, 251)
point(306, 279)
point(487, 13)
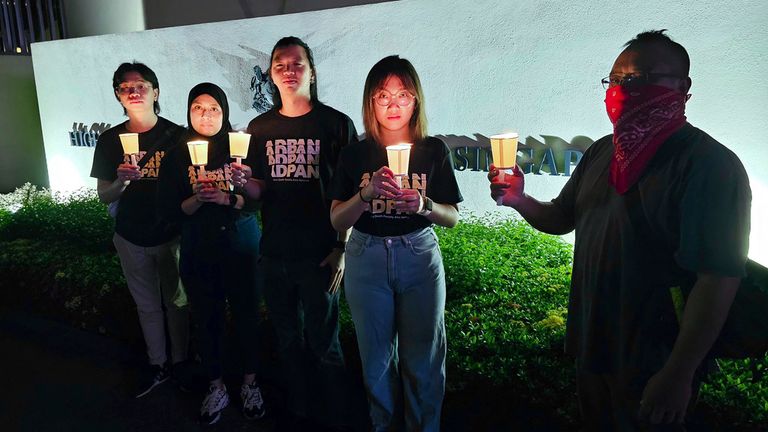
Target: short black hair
point(283, 43)
point(148, 74)
point(658, 38)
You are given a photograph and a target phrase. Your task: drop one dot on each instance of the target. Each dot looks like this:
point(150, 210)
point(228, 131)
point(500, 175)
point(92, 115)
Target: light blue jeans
point(395, 287)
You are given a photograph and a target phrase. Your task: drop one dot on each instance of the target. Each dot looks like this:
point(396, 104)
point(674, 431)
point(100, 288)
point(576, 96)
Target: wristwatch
point(340, 244)
point(427, 208)
point(232, 200)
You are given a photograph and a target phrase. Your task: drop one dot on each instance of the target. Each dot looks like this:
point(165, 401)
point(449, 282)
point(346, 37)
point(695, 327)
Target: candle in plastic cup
point(130, 142)
point(504, 151)
point(238, 145)
point(398, 156)
point(198, 152)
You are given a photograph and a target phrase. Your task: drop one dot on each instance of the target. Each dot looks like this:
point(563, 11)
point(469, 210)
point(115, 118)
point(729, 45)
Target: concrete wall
point(22, 158)
point(487, 67)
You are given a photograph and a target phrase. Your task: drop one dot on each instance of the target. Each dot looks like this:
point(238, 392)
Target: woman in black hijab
point(219, 247)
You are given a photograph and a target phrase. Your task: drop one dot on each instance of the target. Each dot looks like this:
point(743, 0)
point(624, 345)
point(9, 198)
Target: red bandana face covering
point(643, 118)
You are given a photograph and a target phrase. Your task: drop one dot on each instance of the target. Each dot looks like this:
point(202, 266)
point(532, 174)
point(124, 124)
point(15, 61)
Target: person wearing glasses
point(146, 245)
point(656, 205)
point(394, 279)
point(293, 153)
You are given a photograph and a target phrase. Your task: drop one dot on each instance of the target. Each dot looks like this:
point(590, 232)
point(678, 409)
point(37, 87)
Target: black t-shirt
point(206, 228)
point(430, 172)
point(296, 157)
point(137, 218)
point(689, 213)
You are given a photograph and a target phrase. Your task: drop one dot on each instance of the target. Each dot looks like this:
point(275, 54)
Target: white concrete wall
point(486, 66)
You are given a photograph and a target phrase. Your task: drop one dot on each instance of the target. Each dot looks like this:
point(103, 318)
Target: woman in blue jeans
point(394, 278)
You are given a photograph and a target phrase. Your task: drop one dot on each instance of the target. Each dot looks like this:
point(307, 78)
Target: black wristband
point(232, 200)
point(339, 244)
point(360, 192)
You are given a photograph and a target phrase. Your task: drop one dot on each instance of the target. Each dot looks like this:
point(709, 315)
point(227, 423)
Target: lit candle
point(504, 151)
point(198, 154)
point(398, 156)
point(130, 142)
point(238, 145)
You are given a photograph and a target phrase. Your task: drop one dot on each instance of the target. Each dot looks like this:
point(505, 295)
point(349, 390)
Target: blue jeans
point(395, 287)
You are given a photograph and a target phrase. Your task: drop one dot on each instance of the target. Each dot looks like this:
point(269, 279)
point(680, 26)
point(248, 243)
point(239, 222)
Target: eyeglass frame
point(410, 96)
point(643, 77)
point(126, 90)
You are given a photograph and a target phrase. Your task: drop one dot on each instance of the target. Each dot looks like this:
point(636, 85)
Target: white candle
point(130, 142)
point(398, 157)
point(238, 145)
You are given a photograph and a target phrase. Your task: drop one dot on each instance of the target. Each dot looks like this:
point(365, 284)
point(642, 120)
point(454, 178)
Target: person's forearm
point(254, 188)
point(705, 313)
point(190, 205)
point(110, 191)
point(344, 214)
point(544, 216)
point(446, 215)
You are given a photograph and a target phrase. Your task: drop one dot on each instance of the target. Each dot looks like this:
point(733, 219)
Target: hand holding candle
point(504, 151)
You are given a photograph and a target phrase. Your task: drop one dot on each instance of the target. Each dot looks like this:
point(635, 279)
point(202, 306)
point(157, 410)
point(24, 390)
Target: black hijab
point(217, 93)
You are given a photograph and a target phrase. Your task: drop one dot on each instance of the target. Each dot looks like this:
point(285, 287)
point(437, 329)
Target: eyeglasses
point(385, 98)
point(635, 80)
point(140, 87)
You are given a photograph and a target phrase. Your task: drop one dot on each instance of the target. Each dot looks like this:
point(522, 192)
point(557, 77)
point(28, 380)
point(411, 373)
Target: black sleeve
point(172, 186)
point(566, 200)
point(255, 157)
point(105, 157)
point(442, 187)
point(343, 186)
point(715, 217)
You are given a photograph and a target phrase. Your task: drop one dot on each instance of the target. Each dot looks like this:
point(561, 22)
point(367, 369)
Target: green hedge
point(505, 307)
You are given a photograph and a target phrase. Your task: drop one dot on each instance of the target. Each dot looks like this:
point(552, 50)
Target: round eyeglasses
point(385, 98)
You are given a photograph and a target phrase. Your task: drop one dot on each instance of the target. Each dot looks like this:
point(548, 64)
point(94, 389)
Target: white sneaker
point(215, 401)
point(253, 403)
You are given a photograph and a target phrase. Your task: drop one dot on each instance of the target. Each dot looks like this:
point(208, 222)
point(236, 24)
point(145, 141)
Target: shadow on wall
point(553, 156)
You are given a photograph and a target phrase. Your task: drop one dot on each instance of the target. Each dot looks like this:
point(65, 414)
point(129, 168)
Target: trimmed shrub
point(505, 309)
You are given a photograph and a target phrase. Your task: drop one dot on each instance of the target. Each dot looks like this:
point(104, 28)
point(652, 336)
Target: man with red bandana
point(656, 205)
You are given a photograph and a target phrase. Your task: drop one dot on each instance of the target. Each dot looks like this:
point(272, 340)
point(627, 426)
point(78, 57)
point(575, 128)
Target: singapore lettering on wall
point(84, 136)
point(554, 156)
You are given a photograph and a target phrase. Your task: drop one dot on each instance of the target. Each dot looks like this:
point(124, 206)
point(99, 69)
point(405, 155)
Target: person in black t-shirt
point(294, 150)
point(656, 205)
point(394, 279)
point(146, 244)
point(219, 248)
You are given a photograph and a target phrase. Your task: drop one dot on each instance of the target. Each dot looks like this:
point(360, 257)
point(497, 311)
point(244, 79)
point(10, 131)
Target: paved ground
point(57, 378)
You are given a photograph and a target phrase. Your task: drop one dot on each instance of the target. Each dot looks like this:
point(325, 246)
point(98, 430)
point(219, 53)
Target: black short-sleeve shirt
point(296, 157)
point(138, 219)
point(689, 213)
point(430, 172)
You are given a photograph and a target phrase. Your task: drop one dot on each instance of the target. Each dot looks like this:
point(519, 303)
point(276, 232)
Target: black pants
point(220, 271)
point(300, 306)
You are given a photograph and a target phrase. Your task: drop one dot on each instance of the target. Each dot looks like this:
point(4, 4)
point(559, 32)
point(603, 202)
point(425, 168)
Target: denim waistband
point(405, 239)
